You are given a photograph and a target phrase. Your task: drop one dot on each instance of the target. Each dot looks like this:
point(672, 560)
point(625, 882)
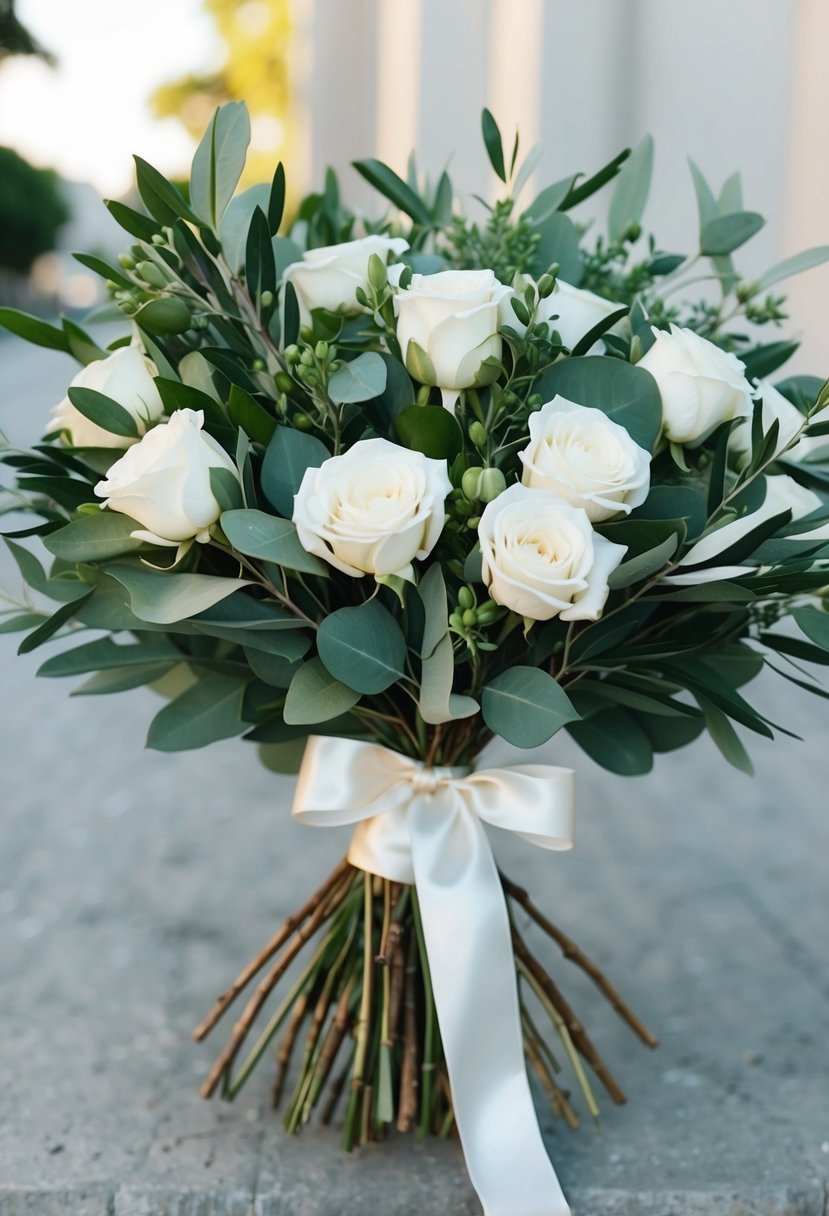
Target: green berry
point(492, 482)
point(477, 434)
point(466, 598)
point(471, 481)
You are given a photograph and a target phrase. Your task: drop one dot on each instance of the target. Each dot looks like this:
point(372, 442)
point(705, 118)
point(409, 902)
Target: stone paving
point(133, 884)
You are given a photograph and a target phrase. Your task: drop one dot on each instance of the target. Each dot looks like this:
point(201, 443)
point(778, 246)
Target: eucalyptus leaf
point(392, 187)
point(437, 702)
point(615, 740)
point(797, 264)
point(122, 679)
point(104, 412)
point(316, 696)
point(815, 624)
point(725, 233)
point(363, 647)
point(725, 736)
point(257, 534)
point(494, 146)
point(164, 598)
point(104, 653)
point(289, 454)
point(218, 162)
point(643, 565)
point(631, 190)
point(236, 222)
point(33, 330)
point(526, 706)
point(50, 627)
point(559, 243)
point(431, 591)
point(94, 538)
point(429, 429)
point(363, 379)
point(208, 711)
point(627, 394)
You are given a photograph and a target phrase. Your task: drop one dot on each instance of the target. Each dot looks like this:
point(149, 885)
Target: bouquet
point(368, 492)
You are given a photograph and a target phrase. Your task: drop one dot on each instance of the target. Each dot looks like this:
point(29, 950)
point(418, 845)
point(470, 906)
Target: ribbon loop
point(426, 826)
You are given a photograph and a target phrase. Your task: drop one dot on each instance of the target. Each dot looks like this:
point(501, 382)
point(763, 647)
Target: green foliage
point(267, 640)
point(526, 706)
point(363, 647)
point(625, 393)
point(315, 696)
point(32, 211)
point(218, 163)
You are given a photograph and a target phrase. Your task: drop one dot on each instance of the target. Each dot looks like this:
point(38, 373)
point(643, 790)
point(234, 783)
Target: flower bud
point(469, 618)
point(266, 299)
point(283, 382)
point(321, 351)
point(483, 484)
point(492, 483)
point(292, 353)
point(126, 260)
point(466, 598)
point(152, 274)
point(167, 315)
point(487, 613)
point(306, 358)
point(546, 286)
point(477, 434)
point(303, 423)
point(377, 272)
point(470, 481)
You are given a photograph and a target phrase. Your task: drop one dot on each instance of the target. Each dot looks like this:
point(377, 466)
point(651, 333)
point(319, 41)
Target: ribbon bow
point(426, 826)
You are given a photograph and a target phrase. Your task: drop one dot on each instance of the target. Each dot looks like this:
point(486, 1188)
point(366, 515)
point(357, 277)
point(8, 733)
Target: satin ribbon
point(426, 826)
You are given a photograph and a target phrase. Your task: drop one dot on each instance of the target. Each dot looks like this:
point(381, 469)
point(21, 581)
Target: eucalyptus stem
point(430, 1033)
point(363, 1020)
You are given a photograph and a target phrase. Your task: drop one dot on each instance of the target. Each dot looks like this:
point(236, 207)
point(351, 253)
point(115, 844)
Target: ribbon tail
point(469, 946)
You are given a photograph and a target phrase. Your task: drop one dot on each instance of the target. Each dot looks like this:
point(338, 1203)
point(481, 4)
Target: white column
point(399, 77)
point(514, 94)
point(807, 184)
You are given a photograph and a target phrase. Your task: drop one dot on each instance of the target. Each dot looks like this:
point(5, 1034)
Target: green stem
point(363, 1020)
point(430, 1030)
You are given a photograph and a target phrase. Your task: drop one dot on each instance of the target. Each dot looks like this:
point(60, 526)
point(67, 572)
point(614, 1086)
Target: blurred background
point(85, 84)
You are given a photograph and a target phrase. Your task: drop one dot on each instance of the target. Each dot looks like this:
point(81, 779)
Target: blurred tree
point(32, 210)
point(15, 39)
point(256, 70)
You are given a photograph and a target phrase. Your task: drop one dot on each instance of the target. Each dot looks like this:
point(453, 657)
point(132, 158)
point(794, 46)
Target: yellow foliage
point(256, 34)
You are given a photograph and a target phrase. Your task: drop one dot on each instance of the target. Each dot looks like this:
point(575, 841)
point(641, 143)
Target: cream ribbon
point(426, 826)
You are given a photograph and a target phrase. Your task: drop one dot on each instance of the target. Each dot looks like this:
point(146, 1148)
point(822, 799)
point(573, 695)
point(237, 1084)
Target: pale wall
point(732, 83)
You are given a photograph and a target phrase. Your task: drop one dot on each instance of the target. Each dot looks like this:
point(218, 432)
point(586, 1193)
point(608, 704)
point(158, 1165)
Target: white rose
point(127, 377)
point(573, 312)
point(454, 317)
point(164, 481)
point(542, 559)
point(328, 277)
point(778, 408)
point(785, 494)
point(373, 509)
point(700, 385)
point(587, 459)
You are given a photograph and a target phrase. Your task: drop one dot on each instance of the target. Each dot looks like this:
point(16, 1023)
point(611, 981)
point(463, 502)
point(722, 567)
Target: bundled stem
point(365, 996)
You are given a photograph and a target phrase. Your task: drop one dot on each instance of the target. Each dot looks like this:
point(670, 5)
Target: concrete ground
point(133, 884)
